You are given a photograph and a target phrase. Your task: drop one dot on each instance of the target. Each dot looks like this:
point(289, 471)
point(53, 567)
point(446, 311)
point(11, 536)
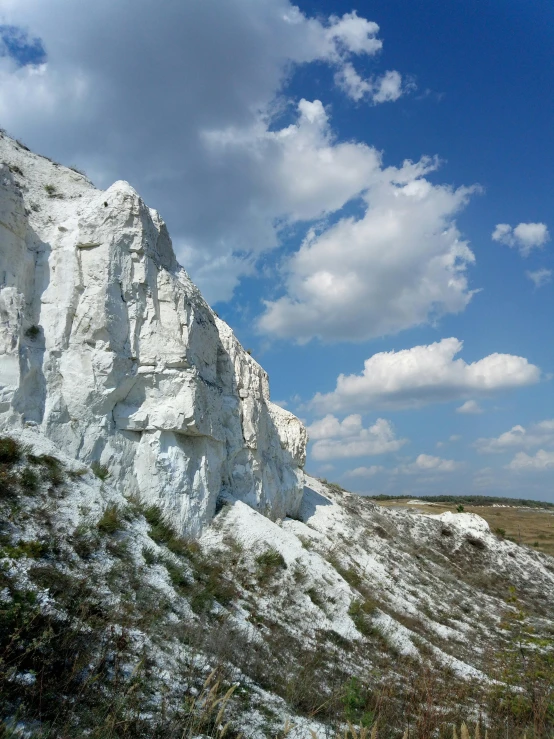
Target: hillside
point(531, 525)
point(167, 569)
point(112, 623)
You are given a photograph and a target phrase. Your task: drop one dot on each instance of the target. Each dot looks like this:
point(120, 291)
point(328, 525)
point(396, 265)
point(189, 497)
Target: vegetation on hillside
point(98, 640)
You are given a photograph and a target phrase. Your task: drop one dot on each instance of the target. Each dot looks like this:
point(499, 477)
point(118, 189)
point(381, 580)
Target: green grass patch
point(269, 563)
point(111, 520)
point(100, 470)
point(11, 451)
point(360, 611)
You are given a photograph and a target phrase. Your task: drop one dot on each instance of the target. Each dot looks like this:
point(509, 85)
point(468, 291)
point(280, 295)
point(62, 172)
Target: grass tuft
point(360, 611)
point(33, 332)
point(100, 470)
point(11, 451)
point(111, 520)
point(269, 563)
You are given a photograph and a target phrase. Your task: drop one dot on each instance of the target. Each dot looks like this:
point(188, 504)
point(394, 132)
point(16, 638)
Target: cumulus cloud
point(402, 264)
point(525, 236)
point(542, 461)
point(470, 407)
point(142, 91)
point(411, 378)
point(538, 434)
point(386, 88)
point(374, 469)
point(540, 277)
point(426, 463)
point(336, 439)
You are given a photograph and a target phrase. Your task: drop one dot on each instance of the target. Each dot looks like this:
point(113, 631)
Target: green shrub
point(338, 639)
point(53, 467)
point(110, 522)
point(315, 597)
point(350, 574)
point(160, 531)
point(149, 556)
point(77, 170)
point(460, 508)
point(163, 533)
point(32, 332)
point(269, 562)
point(28, 549)
point(85, 541)
point(211, 584)
point(176, 575)
point(76, 474)
point(52, 192)
point(100, 470)
point(8, 483)
point(360, 612)
point(11, 451)
point(29, 480)
point(356, 700)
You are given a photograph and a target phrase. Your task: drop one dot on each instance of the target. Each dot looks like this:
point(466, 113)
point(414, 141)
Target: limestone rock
point(107, 346)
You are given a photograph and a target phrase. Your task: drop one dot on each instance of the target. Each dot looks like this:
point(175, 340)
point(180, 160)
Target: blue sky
point(272, 140)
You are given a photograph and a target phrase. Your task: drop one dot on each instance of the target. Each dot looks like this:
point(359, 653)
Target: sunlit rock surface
point(108, 347)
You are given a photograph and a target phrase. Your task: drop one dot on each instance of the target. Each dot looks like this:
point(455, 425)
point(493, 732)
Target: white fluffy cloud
point(540, 277)
point(470, 407)
point(336, 439)
point(426, 463)
point(386, 88)
point(542, 461)
point(525, 236)
point(374, 469)
point(538, 434)
point(414, 377)
point(148, 92)
point(400, 265)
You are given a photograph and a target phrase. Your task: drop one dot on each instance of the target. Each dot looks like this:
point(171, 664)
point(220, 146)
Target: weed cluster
point(100, 470)
point(33, 332)
point(268, 563)
point(52, 192)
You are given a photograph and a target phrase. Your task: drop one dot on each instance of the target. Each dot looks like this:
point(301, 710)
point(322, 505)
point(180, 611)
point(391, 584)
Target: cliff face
point(109, 348)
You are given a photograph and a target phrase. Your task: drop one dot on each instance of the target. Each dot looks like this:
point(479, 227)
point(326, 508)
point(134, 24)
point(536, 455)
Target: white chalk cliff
point(109, 349)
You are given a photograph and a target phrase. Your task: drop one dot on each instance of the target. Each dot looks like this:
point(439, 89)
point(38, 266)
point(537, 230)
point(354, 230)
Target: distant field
point(530, 526)
point(475, 500)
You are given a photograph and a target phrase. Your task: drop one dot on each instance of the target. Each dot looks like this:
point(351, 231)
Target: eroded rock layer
point(107, 345)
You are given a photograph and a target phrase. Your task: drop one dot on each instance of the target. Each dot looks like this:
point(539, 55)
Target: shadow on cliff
point(282, 468)
point(311, 501)
point(30, 397)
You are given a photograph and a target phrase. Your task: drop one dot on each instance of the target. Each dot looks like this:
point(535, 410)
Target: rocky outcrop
point(108, 347)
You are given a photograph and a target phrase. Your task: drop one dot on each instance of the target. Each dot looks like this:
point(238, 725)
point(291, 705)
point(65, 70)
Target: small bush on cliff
point(111, 520)
point(269, 563)
point(33, 332)
point(100, 470)
point(11, 451)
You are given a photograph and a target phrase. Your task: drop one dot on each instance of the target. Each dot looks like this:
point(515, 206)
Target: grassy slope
point(110, 623)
